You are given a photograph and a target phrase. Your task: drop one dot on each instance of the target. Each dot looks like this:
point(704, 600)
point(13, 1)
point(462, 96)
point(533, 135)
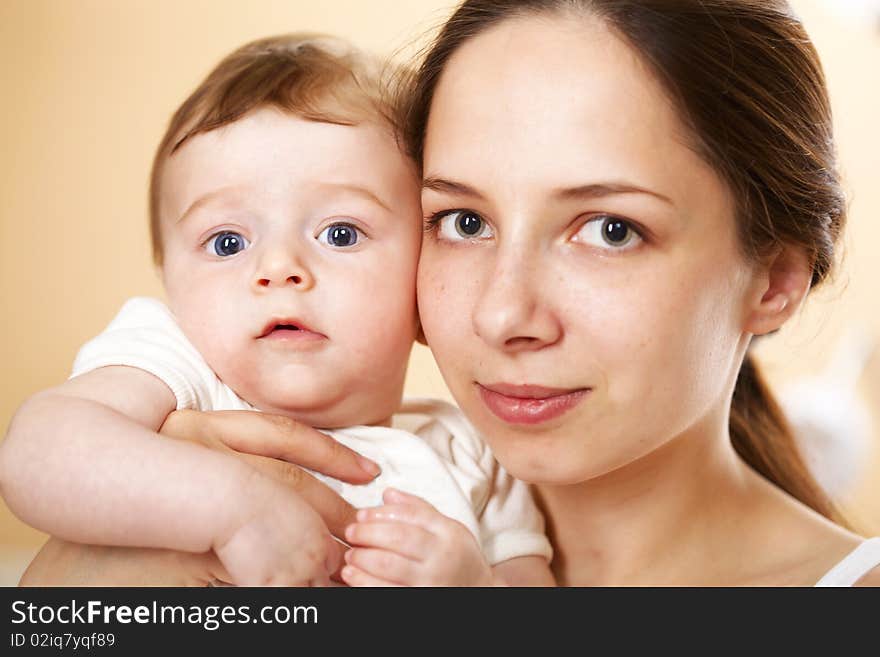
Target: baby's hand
point(408, 542)
point(278, 541)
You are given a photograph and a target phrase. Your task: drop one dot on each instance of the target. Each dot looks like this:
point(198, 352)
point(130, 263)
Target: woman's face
point(581, 284)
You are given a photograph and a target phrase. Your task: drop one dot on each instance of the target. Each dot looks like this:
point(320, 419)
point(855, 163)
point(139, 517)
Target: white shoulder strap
point(855, 565)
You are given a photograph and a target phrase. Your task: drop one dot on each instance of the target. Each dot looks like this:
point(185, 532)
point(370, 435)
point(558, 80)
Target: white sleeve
point(511, 524)
point(145, 335)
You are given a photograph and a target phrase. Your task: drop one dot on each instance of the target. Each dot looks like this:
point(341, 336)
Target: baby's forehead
point(274, 152)
point(314, 77)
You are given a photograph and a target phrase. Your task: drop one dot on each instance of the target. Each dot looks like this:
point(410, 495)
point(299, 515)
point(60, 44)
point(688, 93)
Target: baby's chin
point(331, 413)
point(315, 398)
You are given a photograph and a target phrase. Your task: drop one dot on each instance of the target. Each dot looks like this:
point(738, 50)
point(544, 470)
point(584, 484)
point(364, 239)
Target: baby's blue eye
point(227, 243)
point(339, 235)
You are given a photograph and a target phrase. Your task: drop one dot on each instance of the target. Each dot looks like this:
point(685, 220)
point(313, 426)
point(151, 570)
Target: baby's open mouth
point(288, 328)
point(279, 330)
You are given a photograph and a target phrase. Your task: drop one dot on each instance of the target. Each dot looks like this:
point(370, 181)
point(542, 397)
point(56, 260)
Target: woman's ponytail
point(764, 439)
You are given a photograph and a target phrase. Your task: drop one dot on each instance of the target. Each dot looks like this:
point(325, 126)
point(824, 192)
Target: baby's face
point(290, 253)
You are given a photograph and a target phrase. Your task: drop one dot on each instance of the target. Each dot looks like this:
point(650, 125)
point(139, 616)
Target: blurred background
point(88, 86)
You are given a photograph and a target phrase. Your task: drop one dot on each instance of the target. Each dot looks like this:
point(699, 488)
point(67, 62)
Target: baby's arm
point(407, 542)
point(524, 571)
point(83, 461)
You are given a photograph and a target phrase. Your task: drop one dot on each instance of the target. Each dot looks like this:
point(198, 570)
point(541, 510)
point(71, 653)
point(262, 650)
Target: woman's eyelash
point(434, 227)
point(432, 221)
point(644, 233)
point(632, 225)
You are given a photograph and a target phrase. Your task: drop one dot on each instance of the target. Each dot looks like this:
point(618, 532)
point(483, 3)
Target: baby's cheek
point(217, 333)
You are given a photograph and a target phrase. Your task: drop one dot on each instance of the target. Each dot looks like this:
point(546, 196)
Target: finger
point(383, 565)
point(356, 577)
point(286, 439)
point(424, 516)
point(335, 559)
point(183, 424)
point(397, 496)
point(206, 562)
point(336, 576)
point(278, 437)
point(321, 581)
point(333, 509)
point(407, 540)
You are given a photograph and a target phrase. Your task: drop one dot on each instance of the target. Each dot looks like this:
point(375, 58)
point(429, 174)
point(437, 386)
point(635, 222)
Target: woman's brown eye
point(462, 226)
point(468, 224)
point(615, 231)
point(609, 233)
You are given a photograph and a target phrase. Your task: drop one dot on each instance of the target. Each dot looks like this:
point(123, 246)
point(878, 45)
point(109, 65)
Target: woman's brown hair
point(749, 85)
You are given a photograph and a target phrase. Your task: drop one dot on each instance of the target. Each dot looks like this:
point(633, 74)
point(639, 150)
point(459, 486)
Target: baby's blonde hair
point(315, 77)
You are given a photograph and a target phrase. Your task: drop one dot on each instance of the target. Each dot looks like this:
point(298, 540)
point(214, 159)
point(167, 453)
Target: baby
point(286, 224)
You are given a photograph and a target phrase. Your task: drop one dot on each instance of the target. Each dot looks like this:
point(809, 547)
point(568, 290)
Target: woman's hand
point(61, 563)
point(277, 446)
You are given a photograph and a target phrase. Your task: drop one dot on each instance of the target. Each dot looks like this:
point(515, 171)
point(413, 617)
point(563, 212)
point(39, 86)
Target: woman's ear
point(781, 285)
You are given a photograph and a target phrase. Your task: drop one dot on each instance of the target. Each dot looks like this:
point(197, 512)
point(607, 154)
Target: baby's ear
point(781, 285)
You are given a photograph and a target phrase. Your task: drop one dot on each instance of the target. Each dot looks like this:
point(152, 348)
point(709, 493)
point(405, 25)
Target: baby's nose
point(280, 269)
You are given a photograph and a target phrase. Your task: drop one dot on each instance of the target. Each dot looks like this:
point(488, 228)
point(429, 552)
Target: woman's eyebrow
point(579, 192)
point(598, 190)
point(450, 187)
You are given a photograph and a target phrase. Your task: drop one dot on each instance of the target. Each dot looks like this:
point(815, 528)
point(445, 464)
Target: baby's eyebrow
point(357, 190)
point(205, 199)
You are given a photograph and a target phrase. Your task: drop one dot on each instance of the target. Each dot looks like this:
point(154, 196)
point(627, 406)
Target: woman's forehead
point(560, 98)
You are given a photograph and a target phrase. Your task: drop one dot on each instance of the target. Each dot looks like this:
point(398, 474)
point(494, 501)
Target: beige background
point(88, 86)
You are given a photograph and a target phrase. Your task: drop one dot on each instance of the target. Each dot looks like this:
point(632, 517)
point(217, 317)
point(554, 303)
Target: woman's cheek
point(446, 299)
point(438, 288)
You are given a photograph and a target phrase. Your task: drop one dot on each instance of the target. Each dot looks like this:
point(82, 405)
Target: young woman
point(620, 196)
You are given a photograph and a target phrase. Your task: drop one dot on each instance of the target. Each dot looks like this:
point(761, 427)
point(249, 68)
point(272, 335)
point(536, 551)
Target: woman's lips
point(526, 404)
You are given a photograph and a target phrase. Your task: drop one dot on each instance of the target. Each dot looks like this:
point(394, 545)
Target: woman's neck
point(664, 519)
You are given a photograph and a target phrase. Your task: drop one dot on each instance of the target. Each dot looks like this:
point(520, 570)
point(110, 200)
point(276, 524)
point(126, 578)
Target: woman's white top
point(855, 565)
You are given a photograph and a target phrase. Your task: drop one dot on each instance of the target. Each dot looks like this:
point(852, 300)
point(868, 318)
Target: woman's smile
point(528, 404)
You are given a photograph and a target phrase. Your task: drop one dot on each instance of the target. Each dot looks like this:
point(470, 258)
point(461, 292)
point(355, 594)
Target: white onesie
point(442, 460)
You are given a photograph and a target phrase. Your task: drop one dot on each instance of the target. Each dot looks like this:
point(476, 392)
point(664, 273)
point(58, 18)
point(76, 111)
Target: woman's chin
point(537, 464)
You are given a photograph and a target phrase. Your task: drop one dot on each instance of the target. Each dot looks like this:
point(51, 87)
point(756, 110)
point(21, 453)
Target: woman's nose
point(279, 267)
point(512, 314)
